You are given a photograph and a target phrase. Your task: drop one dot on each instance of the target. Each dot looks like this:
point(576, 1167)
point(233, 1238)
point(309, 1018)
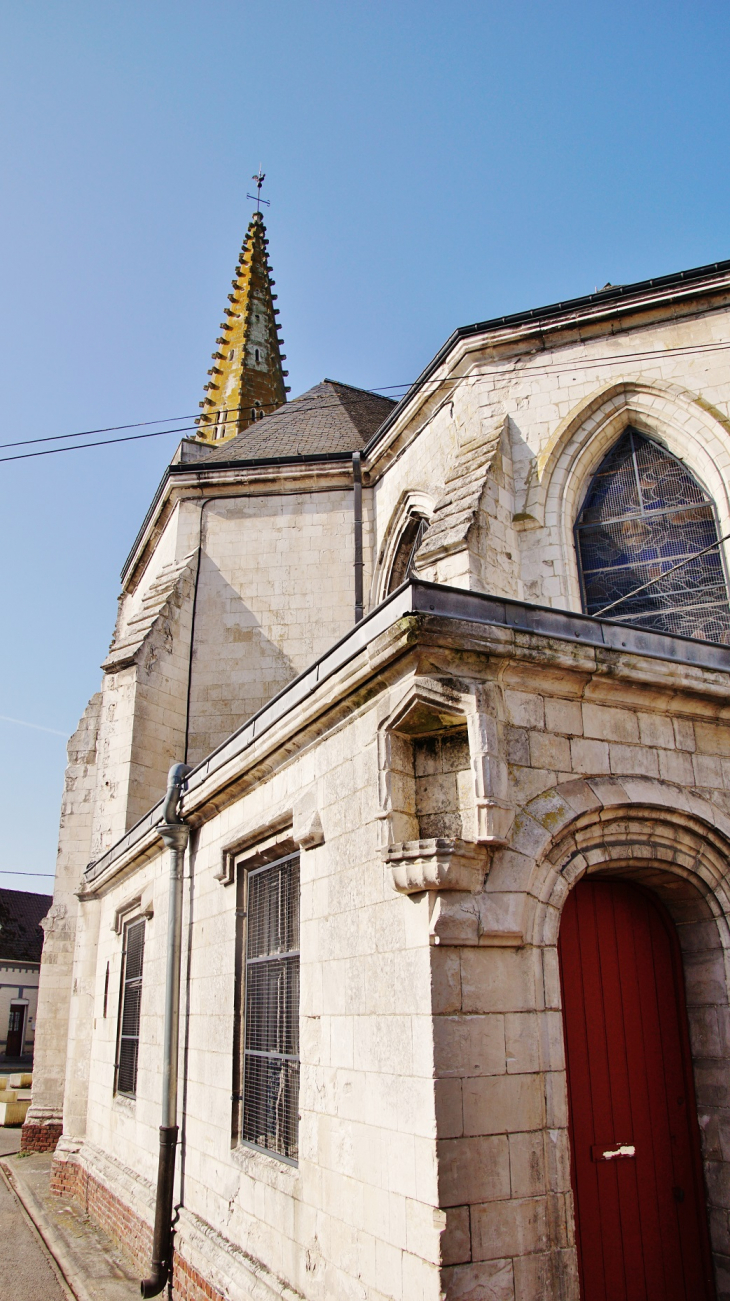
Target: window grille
point(129, 1008)
point(271, 1036)
point(410, 540)
point(645, 513)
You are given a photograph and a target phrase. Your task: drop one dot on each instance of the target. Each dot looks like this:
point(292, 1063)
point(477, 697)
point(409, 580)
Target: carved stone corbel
point(307, 825)
point(437, 864)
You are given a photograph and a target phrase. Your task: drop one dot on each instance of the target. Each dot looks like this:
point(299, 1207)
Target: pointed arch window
point(408, 544)
point(643, 516)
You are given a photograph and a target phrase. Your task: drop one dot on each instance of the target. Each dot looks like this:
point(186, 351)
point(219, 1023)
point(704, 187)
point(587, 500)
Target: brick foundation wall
point(189, 1285)
point(129, 1233)
point(40, 1138)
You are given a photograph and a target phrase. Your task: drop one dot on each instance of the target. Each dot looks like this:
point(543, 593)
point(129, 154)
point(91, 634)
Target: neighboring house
point(454, 998)
point(21, 942)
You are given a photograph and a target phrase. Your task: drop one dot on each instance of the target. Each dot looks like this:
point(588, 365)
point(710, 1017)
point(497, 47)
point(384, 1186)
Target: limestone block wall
point(434, 1154)
point(359, 1209)
point(74, 844)
point(276, 589)
point(144, 710)
point(561, 408)
point(648, 376)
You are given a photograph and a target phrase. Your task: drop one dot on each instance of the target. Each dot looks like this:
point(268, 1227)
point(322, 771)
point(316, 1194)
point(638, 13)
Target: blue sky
point(428, 165)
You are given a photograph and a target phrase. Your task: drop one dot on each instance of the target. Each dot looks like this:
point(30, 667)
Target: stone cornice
point(199, 481)
point(601, 659)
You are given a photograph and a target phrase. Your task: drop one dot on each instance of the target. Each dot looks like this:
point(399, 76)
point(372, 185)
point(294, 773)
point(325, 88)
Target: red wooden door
point(640, 1213)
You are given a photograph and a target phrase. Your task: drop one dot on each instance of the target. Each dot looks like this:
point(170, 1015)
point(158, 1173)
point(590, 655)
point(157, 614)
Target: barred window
point(130, 998)
point(643, 524)
point(271, 1025)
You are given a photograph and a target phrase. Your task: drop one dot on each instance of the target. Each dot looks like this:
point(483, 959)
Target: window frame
point(124, 984)
point(417, 524)
point(578, 559)
point(246, 869)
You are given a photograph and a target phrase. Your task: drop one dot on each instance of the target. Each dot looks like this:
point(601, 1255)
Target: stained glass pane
point(644, 516)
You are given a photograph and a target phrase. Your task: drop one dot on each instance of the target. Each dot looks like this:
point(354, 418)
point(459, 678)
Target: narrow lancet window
point(409, 542)
point(647, 544)
point(129, 1008)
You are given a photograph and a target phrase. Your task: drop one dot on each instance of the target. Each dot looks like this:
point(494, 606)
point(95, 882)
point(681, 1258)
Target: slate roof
point(331, 417)
point(21, 937)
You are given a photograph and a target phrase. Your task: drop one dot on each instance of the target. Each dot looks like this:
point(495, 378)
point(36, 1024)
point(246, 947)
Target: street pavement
point(86, 1264)
point(26, 1272)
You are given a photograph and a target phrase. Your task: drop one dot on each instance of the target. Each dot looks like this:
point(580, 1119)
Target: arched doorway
point(638, 1188)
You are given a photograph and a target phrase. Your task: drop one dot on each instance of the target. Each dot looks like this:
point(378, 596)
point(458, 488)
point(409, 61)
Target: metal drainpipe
point(357, 511)
point(174, 832)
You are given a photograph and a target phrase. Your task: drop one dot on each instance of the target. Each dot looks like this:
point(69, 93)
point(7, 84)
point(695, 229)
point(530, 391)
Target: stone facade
point(447, 770)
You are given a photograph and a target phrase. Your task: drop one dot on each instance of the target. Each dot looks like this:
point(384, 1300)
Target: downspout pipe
point(357, 513)
point(174, 832)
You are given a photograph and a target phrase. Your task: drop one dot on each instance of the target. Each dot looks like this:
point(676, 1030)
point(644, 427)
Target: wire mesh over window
point(645, 516)
point(271, 1042)
point(129, 1008)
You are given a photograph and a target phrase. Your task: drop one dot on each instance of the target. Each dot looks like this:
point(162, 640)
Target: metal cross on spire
point(259, 179)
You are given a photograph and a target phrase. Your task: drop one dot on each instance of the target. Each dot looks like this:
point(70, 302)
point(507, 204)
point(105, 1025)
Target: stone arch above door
point(677, 845)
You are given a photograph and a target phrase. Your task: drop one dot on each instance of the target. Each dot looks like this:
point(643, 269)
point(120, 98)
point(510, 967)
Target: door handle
point(619, 1151)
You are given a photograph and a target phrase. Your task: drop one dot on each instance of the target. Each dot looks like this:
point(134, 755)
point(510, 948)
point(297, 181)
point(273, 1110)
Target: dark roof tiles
point(21, 913)
point(331, 417)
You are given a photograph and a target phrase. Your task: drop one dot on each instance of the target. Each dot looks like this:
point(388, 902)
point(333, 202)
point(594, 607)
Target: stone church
point(411, 981)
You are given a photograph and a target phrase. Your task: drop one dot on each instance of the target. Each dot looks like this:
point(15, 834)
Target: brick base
point(189, 1285)
point(39, 1138)
point(131, 1235)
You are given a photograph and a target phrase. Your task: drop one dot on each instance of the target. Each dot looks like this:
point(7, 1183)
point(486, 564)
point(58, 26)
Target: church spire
point(247, 381)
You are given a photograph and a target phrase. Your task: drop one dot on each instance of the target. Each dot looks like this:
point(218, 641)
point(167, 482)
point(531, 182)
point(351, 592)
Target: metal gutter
point(435, 601)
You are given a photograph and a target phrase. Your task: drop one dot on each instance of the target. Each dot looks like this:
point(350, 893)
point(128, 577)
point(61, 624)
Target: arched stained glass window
point(644, 514)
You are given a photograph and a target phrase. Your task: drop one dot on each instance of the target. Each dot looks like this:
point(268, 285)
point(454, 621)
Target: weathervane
point(259, 179)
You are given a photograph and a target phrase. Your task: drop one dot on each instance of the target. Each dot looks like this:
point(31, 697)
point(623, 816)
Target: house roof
point(21, 937)
point(331, 417)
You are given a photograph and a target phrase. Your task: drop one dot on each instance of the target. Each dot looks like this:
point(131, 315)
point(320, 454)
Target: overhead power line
point(82, 447)
point(512, 368)
point(658, 578)
point(84, 433)
point(8, 871)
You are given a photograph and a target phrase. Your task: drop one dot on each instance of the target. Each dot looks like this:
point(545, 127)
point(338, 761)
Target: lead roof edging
point(436, 600)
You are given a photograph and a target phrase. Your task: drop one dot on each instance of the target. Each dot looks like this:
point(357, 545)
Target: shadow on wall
point(236, 668)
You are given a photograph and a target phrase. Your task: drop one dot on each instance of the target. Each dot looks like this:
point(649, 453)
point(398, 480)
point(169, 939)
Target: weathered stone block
point(475, 1169)
point(491, 1280)
point(608, 724)
point(500, 1104)
point(517, 1226)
